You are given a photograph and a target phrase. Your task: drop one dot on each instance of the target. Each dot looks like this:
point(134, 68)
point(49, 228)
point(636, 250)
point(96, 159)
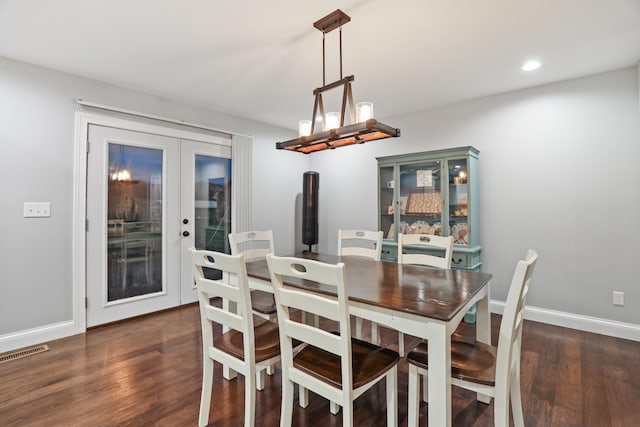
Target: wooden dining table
point(417, 300)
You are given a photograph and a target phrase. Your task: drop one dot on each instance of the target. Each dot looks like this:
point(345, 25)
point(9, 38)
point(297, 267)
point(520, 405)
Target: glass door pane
point(134, 215)
point(212, 203)
point(205, 206)
point(458, 201)
point(420, 200)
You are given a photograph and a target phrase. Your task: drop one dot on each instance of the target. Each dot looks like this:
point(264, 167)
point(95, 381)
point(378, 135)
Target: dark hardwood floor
point(147, 371)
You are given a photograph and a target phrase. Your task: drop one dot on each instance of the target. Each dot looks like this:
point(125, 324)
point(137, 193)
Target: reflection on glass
point(134, 221)
point(212, 205)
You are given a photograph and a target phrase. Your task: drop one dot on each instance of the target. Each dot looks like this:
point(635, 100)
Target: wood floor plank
point(147, 372)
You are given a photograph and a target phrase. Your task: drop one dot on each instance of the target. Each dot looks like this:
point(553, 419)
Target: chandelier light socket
point(364, 111)
point(333, 120)
point(304, 128)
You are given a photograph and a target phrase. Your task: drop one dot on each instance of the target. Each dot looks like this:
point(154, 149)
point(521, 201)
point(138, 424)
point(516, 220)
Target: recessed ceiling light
point(531, 65)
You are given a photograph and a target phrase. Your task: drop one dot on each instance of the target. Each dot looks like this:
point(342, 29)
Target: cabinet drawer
point(461, 260)
point(466, 260)
point(389, 253)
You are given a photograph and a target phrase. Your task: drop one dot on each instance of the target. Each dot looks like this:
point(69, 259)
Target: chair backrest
point(512, 319)
point(362, 243)
point(426, 241)
point(331, 278)
point(238, 293)
point(252, 244)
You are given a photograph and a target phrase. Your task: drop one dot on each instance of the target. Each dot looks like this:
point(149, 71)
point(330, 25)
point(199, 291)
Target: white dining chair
point(334, 365)
point(364, 243)
point(410, 251)
point(483, 368)
point(422, 242)
point(367, 244)
point(249, 347)
point(254, 245)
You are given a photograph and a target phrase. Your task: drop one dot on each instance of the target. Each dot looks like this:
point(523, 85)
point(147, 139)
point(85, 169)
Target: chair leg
point(303, 397)
point(375, 333)
point(501, 408)
point(205, 397)
point(392, 397)
point(516, 398)
point(359, 328)
point(334, 408)
point(250, 399)
point(425, 386)
point(347, 414)
point(414, 396)
point(271, 369)
point(286, 411)
point(260, 379)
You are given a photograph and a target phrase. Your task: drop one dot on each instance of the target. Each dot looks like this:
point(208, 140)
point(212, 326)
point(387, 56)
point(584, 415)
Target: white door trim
point(82, 121)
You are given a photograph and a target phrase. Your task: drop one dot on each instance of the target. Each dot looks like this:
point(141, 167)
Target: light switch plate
point(37, 209)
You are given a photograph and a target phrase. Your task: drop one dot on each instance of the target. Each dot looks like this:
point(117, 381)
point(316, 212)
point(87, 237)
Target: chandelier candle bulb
point(364, 111)
point(304, 128)
point(333, 120)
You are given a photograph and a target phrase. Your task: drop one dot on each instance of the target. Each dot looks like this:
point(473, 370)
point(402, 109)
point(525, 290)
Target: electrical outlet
point(37, 209)
point(618, 298)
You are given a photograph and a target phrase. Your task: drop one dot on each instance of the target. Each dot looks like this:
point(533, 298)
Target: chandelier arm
point(352, 111)
point(343, 111)
point(321, 105)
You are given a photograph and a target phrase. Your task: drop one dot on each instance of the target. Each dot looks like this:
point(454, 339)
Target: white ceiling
point(262, 59)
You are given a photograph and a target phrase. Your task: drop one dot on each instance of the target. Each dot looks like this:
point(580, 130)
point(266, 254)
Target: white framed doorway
point(222, 145)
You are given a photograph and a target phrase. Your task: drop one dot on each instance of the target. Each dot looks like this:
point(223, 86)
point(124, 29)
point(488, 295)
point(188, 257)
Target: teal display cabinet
point(433, 192)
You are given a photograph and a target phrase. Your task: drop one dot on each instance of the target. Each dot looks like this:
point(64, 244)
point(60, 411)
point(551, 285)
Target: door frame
point(241, 155)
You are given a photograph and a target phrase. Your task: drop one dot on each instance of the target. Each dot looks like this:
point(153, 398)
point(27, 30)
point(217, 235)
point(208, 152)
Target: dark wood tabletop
point(430, 292)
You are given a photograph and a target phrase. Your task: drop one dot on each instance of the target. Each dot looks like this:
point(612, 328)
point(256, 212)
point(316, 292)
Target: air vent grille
point(23, 353)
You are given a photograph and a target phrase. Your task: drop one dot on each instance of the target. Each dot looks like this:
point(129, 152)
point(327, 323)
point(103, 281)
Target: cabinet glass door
point(420, 198)
point(386, 202)
point(458, 201)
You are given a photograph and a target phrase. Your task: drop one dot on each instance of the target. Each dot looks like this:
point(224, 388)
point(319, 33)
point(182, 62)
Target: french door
point(150, 198)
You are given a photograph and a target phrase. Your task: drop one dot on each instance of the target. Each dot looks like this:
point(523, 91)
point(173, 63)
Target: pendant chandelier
point(335, 132)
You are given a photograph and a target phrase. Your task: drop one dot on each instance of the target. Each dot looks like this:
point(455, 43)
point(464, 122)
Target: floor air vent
point(23, 353)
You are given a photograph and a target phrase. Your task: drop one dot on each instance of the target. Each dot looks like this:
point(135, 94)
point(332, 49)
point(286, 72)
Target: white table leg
point(439, 376)
point(483, 320)
point(483, 333)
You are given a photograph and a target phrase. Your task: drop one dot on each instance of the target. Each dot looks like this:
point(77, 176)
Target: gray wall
point(558, 173)
point(557, 163)
point(37, 108)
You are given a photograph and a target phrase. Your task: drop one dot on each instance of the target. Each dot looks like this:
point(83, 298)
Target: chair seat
point(263, 302)
point(369, 361)
point(472, 361)
point(267, 341)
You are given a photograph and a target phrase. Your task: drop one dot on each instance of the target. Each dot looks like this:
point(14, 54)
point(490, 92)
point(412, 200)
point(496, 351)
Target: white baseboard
point(36, 336)
point(596, 325)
